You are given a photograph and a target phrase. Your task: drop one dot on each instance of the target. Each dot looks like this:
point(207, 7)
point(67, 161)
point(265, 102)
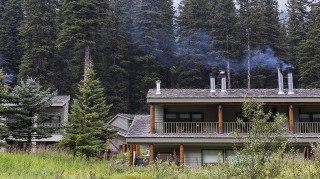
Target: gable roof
point(232, 95)
point(125, 116)
point(60, 100)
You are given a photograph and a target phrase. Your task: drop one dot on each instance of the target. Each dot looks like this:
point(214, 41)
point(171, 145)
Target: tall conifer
point(38, 36)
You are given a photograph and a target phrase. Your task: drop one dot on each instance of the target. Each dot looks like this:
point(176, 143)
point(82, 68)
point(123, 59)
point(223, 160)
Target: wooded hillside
point(132, 43)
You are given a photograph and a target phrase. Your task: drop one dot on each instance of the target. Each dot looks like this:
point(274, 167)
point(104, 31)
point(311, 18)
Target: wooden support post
point(137, 150)
point(220, 119)
point(291, 119)
point(123, 146)
point(152, 119)
point(131, 155)
point(181, 155)
point(151, 153)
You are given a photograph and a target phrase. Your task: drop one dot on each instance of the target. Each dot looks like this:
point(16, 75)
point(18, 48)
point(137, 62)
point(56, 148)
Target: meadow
point(58, 165)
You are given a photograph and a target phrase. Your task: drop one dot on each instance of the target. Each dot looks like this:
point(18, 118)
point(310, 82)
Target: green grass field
point(54, 164)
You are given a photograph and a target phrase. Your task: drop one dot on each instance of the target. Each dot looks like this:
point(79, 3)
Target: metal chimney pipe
point(280, 78)
point(212, 83)
point(158, 82)
point(223, 81)
point(290, 80)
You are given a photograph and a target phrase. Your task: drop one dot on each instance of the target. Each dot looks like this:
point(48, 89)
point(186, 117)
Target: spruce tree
point(151, 32)
point(38, 36)
point(112, 64)
point(225, 33)
point(81, 27)
point(23, 119)
point(297, 15)
point(89, 113)
point(3, 96)
point(308, 54)
point(11, 16)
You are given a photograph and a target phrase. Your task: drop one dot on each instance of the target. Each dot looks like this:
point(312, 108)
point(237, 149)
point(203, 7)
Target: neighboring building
point(60, 108)
point(121, 123)
point(197, 124)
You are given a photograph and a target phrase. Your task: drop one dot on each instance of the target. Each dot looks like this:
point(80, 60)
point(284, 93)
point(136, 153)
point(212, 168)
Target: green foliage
point(38, 36)
point(27, 111)
point(86, 133)
point(82, 26)
point(11, 16)
point(57, 164)
point(265, 142)
point(309, 52)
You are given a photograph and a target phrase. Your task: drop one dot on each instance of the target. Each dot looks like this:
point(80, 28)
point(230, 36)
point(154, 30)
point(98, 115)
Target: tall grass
point(55, 164)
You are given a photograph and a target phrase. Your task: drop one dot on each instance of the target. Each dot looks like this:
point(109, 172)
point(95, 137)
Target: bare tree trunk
point(86, 61)
point(228, 64)
point(249, 59)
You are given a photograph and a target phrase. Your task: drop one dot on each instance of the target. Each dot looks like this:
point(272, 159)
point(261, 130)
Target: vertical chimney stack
point(280, 78)
point(290, 80)
point(158, 87)
point(212, 83)
point(223, 81)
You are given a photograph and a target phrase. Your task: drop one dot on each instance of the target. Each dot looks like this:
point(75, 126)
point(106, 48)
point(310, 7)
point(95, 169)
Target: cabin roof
point(232, 95)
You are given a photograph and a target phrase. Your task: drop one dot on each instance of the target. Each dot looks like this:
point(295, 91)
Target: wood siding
point(121, 123)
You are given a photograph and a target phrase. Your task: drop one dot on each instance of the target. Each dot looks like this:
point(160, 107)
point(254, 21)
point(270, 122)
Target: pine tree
point(38, 36)
point(89, 113)
point(225, 33)
point(80, 29)
point(297, 13)
point(151, 32)
point(11, 16)
point(112, 62)
point(308, 54)
point(25, 116)
point(3, 96)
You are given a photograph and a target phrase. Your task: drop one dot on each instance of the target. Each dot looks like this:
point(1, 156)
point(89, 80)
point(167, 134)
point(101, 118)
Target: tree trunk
point(86, 61)
point(249, 59)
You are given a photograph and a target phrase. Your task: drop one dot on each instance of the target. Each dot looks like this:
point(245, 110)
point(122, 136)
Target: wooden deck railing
point(228, 127)
point(53, 128)
point(307, 127)
point(186, 127)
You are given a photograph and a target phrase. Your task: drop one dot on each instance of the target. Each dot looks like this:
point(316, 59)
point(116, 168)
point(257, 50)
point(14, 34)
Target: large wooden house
point(197, 124)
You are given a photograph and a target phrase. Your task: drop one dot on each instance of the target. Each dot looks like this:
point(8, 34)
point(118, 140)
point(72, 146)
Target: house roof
point(140, 132)
point(129, 117)
point(233, 95)
point(60, 100)
point(125, 116)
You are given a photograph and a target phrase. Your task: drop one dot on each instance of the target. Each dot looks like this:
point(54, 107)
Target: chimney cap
point(211, 75)
point(158, 81)
point(290, 68)
point(222, 72)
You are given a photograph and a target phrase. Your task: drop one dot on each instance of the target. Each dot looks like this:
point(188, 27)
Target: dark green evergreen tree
point(225, 33)
point(112, 62)
point(308, 54)
point(297, 15)
point(3, 96)
point(86, 133)
point(38, 36)
point(25, 116)
point(81, 27)
point(151, 40)
point(11, 16)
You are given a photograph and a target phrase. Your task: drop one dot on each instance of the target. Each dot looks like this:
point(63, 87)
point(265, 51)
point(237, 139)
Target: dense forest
point(132, 43)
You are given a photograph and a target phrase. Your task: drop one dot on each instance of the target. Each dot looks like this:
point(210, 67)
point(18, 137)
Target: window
point(183, 117)
point(309, 117)
point(231, 156)
point(211, 156)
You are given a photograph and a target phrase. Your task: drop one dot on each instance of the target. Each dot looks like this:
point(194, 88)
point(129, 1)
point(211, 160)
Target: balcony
point(307, 127)
point(53, 128)
point(228, 127)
